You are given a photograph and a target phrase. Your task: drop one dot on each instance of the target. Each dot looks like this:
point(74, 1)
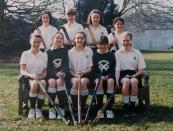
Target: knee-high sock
point(40, 101)
point(83, 101)
point(133, 100)
point(99, 101)
point(111, 101)
point(62, 98)
point(52, 93)
point(33, 98)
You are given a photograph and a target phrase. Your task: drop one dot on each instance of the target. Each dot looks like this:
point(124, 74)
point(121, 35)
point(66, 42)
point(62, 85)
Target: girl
point(72, 27)
point(33, 63)
point(80, 63)
point(129, 68)
point(104, 65)
point(57, 70)
point(46, 30)
point(116, 37)
point(95, 28)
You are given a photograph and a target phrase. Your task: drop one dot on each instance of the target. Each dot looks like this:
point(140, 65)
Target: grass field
point(160, 117)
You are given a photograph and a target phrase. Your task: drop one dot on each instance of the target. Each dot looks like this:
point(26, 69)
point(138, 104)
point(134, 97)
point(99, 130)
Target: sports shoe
point(101, 114)
point(52, 114)
point(31, 113)
point(38, 113)
point(109, 114)
point(62, 112)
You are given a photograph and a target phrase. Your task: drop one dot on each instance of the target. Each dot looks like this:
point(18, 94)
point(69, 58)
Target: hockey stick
point(57, 110)
point(79, 101)
point(116, 45)
point(97, 118)
point(93, 98)
point(65, 32)
point(70, 105)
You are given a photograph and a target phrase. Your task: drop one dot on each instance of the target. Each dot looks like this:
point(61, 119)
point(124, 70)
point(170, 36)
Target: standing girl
point(95, 28)
point(46, 30)
point(116, 37)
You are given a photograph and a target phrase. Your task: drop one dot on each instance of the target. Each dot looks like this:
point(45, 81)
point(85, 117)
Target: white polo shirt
point(72, 29)
point(80, 60)
point(35, 64)
point(99, 31)
point(132, 60)
point(47, 34)
point(119, 37)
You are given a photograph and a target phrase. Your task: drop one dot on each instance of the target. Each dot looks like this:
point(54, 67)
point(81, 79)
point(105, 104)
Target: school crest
point(57, 63)
point(103, 65)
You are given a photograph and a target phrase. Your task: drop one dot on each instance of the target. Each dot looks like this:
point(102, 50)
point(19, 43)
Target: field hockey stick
point(70, 105)
point(97, 118)
point(79, 101)
point(93, 98)
point(56, 108)
point(116, 45)
point(38, 31)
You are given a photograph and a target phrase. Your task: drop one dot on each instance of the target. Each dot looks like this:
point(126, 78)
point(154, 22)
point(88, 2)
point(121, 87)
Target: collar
point(98, 50)
point(74, 48)
point(122, 50)
point(96, 27)
point(51, 48)
point(39, 53)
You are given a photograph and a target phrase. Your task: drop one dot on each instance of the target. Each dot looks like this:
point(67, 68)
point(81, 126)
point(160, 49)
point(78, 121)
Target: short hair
point(46, 12)
point(56, 34)
point(128, 34)
point(118, 19)
point(72, 11)
point(89, 21)
point(103, 40)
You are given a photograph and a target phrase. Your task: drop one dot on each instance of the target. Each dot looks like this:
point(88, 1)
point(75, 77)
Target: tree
point(18, 18)
point(143, 15)
point(140, 15)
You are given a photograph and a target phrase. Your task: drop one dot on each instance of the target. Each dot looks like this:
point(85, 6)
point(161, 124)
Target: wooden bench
point(23, 93)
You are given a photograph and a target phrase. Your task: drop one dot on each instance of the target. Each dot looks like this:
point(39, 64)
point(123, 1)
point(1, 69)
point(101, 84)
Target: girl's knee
point(84, 81)
point(134, 81)
point(52, 82)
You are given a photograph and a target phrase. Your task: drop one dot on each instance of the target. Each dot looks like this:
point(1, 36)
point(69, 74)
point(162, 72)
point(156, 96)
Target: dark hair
point(89, 21)
point(60, 34)
point(103, 40)
point(72, 12)
point(46, 12)
point(118, 19)
point(83, 35)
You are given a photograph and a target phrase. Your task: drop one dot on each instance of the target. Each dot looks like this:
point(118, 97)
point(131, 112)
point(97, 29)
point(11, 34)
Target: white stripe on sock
point(125, 99)
point(133, 98)
point(51, 90)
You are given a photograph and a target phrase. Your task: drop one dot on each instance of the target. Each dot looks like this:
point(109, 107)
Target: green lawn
point(160, 117)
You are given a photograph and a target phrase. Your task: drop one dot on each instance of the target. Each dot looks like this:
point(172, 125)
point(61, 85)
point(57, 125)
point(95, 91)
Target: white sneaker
point(31, 113)
point(62, 112)
point(109, 114)
point(39, 114)
point(101, 114)
point(52, 114)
